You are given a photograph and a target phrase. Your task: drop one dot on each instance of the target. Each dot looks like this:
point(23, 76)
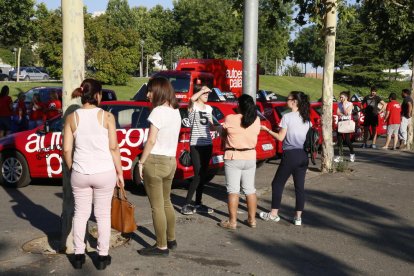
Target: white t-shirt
point(296, 130)
point(168, 122)
point(342, 109)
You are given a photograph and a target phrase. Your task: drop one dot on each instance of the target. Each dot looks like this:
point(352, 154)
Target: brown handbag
point(122, 212)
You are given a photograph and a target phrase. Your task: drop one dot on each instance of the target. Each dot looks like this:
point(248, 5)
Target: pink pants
point(99, 188)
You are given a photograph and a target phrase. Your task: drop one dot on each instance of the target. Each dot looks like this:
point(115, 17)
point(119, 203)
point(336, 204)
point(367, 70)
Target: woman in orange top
point(240, 159)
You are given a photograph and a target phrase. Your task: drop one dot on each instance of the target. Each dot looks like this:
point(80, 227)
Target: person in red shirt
point(393, 119)
point(36, 112)
point(54, 106)
point(20, 114)
point(6, 105)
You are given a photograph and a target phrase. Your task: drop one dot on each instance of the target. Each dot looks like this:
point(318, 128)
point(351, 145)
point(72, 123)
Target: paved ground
point(357, 222)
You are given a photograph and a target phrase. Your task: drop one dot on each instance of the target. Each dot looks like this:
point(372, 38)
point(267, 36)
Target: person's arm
point(410, 109)
point(278, 135)
point(384, 105)
point(387, 114)
point(338, 111)
point(68, 141)
point(152, 138)
point(197, 95)
point(114, 148)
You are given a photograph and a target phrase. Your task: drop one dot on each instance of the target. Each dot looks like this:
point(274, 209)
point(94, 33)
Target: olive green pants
point(159, 172)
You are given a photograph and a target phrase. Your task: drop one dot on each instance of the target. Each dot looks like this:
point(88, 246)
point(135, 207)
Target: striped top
point(200, 123)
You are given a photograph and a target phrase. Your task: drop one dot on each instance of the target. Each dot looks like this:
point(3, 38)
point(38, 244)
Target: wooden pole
point(73, 75)
point(327, 88)
point(410, 137)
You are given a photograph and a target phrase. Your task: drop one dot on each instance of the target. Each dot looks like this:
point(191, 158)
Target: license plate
point(267, 146)
point(218, 159)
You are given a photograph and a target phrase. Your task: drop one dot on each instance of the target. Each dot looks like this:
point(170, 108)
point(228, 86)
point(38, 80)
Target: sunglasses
point(290, 99)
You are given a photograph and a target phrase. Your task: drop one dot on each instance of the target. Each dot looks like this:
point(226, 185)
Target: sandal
point(226, 224)
point(251, 224)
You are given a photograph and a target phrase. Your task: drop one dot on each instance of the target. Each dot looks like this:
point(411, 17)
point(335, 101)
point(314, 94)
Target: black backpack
point(311, 144)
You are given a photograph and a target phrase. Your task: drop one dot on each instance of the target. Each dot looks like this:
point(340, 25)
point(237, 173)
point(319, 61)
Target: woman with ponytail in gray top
point(294, 127)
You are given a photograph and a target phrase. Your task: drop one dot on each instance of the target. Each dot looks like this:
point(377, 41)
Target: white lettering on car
point(235, 77)
point(36, 143)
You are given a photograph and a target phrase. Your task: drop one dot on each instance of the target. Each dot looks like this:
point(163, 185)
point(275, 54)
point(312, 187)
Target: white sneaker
point(338, 159)
point(268, 216)
point(297, 221)
point(352, 157)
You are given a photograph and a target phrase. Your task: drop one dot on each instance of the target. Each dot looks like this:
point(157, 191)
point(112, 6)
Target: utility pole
point(250, 30)
point(73, 75)
point(327, 88)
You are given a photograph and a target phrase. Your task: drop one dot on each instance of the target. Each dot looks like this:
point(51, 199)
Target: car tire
point(27, 78)
point(14, 171)
point(6, 79)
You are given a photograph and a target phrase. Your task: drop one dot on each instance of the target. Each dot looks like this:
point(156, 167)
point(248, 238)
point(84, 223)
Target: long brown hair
point(162, 92)
point(87, 91)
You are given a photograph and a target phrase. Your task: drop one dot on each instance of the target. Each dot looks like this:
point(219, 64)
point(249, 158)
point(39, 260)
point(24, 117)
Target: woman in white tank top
point(95, 166)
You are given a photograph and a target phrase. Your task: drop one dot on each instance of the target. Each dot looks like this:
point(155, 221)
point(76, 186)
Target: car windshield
point(127, 116)
point(282, 110)
point(180, 84)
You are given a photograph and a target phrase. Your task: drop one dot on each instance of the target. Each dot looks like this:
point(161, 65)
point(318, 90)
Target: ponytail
point(303, 104)
point(87, 91)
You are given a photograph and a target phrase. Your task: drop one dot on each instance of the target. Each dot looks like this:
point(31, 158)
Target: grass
point(280, 85)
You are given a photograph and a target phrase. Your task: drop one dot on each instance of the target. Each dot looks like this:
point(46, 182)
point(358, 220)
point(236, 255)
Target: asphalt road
point(356, 222)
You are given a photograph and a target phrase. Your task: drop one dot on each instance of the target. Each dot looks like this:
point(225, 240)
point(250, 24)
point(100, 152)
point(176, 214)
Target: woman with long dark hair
point(95, 168)
point(157, 163)
point(241, 131)
point(294, 127)
point(344, 112)
point(6, 111)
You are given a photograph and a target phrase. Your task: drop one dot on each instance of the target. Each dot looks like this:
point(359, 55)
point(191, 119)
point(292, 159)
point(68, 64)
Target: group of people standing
point(91, 153)
point(22, 116)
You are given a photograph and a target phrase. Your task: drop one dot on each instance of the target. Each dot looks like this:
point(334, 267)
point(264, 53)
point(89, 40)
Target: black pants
point(340, 137)
point(294, 162)
point(200, 155)
point(370, 123)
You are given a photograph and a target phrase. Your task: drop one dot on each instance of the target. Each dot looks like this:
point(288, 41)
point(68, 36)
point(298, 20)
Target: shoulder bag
point(347, 126)
point(122, 212)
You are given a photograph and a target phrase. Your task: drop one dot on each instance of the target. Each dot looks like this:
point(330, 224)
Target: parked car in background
point(29, 73)
point(4, 77)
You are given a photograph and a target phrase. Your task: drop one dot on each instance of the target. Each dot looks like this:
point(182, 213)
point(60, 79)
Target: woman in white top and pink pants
point(95, 168)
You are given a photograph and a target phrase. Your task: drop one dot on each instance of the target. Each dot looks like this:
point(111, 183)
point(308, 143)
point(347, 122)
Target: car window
point(282, 110)
point(108, 95)
point(129, 116)
point(56, 125)
point(217, 113)
point(29, 70)
point(180, 84)
point(29, 95)
point(36, 71)
point(318, 109)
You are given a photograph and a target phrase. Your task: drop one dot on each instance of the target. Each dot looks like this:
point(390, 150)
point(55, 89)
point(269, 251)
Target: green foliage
point(49, 43)
point(119, 14)
point(292, 70)
point(16, 26)
point(211, 27)
point(308, 47)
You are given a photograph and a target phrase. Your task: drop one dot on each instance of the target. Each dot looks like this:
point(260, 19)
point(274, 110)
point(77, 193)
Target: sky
point(100, 5)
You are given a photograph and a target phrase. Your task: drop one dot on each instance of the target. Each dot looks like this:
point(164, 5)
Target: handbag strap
point(119, 192)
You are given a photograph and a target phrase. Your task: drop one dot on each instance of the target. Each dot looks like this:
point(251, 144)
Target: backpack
point(311, 144)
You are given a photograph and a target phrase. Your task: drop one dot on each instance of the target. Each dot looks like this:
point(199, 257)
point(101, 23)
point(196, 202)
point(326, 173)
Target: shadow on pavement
point(38, 216)
point(400, 160)
point(298, 259)
point(383, 230)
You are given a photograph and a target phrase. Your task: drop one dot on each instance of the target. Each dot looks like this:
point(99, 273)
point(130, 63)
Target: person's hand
point(120, 180)
point(141, 169)
point(265, 128)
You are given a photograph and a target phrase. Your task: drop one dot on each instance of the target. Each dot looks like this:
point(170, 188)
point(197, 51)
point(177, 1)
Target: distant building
point(405, 74)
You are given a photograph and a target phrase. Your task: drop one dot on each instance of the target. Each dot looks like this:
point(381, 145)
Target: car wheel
point(27, 78)
point(6, 79)
point(14, 170)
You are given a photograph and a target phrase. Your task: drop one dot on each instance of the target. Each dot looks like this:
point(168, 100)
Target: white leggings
point(98, 188)
point(240, 171)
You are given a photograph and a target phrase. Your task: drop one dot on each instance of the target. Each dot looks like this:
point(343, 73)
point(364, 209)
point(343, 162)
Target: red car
point(37, 153)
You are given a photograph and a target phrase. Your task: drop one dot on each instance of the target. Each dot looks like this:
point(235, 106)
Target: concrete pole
point(19, 51)
point(73, 75)
point(250, 33)
point(327, 88)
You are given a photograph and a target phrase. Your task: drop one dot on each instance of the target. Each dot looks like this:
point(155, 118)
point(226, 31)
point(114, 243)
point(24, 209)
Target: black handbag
point(185, 158)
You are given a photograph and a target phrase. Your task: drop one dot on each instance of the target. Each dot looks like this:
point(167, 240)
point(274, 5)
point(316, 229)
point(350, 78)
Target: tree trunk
point(327, 88)
point(73, 75)
point(410, 137)
point(19, 51)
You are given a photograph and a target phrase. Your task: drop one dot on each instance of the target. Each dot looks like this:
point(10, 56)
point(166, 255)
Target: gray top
point(296, 130)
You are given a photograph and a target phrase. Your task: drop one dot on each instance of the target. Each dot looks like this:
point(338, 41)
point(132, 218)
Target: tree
point(308, 46)
point(211, 27)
